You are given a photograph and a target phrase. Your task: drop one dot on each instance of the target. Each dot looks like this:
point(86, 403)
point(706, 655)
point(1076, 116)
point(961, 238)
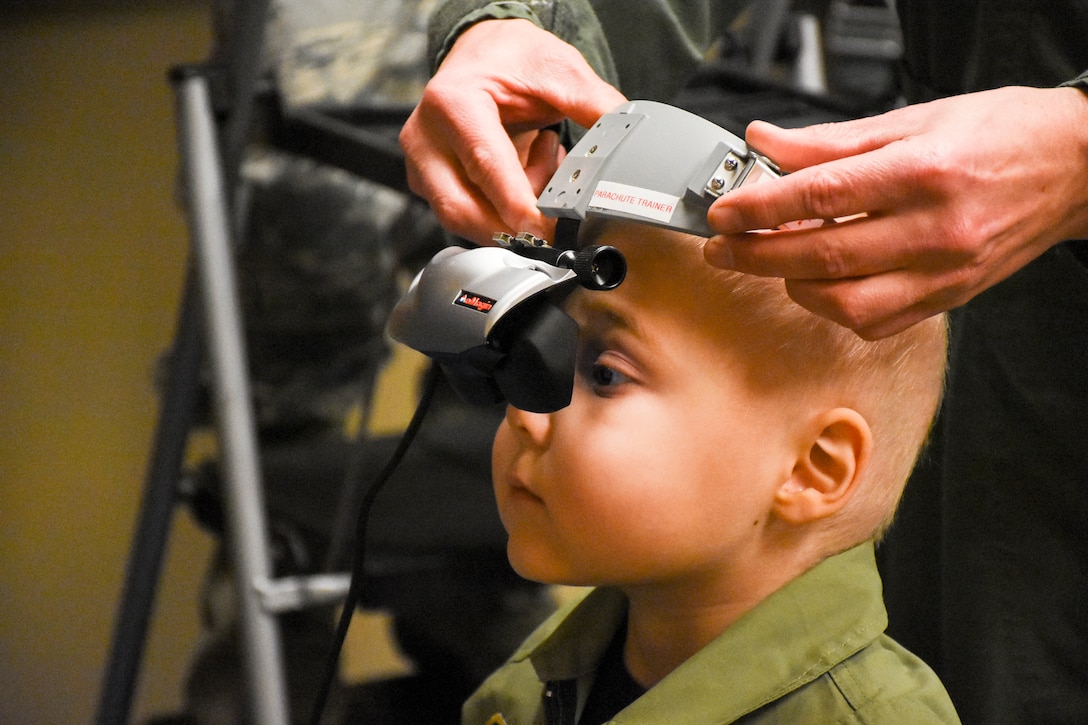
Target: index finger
point(491, 164)
point(863, 184)
point(439, 147)
point(851, 249)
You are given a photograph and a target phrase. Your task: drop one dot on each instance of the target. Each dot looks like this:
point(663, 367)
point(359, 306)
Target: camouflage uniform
point(987, 567)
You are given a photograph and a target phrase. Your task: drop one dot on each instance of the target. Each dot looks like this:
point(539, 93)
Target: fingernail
point(718, 253)
point(723, 219)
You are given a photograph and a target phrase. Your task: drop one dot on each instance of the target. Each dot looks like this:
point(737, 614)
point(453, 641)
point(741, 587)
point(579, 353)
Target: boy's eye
point(600, 364)
point(603, 376)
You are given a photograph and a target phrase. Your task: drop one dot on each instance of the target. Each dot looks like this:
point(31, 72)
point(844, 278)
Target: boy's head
point(714, 423)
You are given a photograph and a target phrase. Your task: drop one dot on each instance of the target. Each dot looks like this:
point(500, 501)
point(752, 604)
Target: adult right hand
point(475, 146)
point(943, 200)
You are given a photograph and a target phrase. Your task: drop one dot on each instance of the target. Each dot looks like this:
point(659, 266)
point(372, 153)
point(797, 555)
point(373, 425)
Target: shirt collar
point(793, 637)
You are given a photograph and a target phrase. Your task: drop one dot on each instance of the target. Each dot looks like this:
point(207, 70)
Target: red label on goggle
point(474, 301)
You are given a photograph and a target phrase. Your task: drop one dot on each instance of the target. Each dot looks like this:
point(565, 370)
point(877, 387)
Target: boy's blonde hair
point(895, 383)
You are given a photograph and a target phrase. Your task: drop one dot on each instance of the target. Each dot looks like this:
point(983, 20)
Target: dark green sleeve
point(571, 20)
point(1080, 82)
point(646, 48)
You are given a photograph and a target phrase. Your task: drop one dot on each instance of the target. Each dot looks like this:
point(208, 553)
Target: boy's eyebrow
point(599, 311)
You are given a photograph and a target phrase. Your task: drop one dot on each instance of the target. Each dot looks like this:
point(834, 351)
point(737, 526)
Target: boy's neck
point(668, 624)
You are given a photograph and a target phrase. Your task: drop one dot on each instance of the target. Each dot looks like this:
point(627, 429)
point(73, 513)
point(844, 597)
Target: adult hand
point(951, 197)
point(474, 145)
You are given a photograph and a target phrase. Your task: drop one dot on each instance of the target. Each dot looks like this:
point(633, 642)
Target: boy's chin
point(537, 567)
point(527, 567)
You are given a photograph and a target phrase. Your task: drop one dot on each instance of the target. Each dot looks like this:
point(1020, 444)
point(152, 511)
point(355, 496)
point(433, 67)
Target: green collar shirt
point(813, 652)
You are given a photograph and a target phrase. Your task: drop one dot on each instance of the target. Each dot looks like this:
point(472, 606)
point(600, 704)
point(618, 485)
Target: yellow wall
point(92, 249)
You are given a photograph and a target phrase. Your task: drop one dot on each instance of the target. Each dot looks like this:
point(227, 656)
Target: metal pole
point(247, 535)
point(156, 513)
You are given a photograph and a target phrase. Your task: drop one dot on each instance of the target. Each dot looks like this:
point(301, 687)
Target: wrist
point(455, 17)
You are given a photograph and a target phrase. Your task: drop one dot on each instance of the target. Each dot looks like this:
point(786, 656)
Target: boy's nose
point(535, 426)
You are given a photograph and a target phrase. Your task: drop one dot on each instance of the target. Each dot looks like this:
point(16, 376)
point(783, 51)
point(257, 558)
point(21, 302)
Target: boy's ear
point(827, 469)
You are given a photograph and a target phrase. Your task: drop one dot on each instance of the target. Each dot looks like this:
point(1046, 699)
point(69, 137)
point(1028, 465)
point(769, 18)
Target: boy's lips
point(517, 484)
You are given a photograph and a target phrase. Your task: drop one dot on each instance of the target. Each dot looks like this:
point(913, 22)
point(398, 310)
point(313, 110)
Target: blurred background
point(92, 256)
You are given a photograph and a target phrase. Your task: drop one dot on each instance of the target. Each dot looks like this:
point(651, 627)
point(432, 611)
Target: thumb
point(572, 87)
point(797, 148)
point(596, 99)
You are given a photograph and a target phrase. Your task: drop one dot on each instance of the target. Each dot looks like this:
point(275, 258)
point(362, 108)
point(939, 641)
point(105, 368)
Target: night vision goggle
point(492, 316)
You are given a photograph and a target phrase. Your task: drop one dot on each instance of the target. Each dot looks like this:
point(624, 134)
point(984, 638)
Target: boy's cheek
point(500, 446)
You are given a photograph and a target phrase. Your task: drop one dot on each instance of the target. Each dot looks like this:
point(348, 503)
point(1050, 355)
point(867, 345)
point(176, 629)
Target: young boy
point(720, 475)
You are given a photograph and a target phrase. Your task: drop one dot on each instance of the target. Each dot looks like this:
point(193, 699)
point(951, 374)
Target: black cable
point(358, 566)
point(349, 501)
